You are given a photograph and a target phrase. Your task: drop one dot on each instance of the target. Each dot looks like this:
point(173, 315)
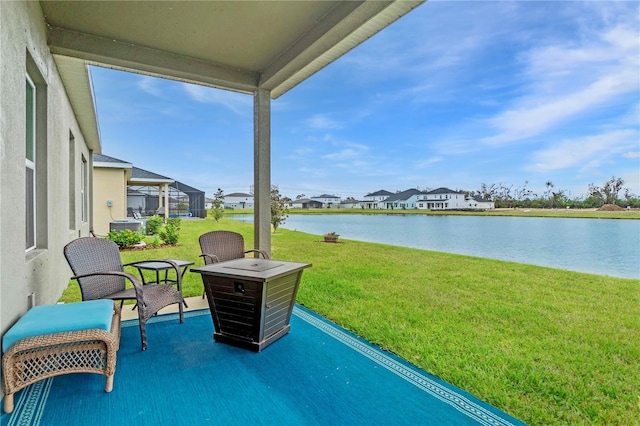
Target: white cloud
point(631, 154)
point(566, 81)
point(321, 121)
point(422, 164)
point(352, 153)
point(239, 103)
point(150, 85)
point(587, 152)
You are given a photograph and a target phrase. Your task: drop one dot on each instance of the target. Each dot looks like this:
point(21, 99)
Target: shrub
point(170, 234)
point(124, 238)
point(153, 224)
point(175, 221)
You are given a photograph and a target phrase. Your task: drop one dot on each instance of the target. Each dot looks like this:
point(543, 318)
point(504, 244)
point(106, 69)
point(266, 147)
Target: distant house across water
point(410, 199)
point(373, 200)
point(238, 200)
point(304, 203)
point(328, 201)
point(350, 203)
point(442, 199)
point(401, 200)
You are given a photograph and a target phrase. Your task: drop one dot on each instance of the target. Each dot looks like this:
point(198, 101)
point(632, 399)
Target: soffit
point(235, 45)
point(240, 35)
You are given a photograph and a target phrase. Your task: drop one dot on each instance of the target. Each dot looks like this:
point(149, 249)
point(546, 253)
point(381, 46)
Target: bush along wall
point(125, 238)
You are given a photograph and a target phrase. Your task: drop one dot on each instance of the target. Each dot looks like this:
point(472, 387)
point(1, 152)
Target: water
point(597, 246)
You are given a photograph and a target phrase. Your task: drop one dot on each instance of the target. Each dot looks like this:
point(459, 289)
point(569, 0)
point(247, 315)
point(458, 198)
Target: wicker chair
point(219, 246)
point(98, 268)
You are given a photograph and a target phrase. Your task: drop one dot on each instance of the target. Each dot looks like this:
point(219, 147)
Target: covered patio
point(262, 49)
point(317, 374)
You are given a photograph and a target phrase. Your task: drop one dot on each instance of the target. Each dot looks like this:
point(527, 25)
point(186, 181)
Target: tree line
point(611, 191)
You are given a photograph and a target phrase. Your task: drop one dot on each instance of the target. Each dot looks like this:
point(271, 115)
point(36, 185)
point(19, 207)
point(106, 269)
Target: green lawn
point(545, 345)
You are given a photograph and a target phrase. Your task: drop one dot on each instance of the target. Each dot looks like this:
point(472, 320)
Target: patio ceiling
point(235, 45)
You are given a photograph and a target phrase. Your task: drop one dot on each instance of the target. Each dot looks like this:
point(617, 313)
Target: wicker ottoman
point(86, 338)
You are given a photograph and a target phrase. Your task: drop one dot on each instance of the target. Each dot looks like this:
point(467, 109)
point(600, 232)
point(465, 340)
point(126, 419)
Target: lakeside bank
point(566, 213)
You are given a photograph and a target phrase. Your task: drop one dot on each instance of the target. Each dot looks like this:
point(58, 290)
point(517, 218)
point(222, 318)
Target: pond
point(597, 246)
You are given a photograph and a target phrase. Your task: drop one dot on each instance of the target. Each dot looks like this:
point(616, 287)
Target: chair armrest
point(134, 281)
point(211, 257)
point(260, 252)
point(127, 275)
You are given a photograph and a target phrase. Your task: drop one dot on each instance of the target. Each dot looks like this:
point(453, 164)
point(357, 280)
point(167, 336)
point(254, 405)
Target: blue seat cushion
point(48, 319)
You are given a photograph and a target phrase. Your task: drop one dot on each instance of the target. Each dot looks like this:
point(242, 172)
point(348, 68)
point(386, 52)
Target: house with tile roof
point(373, 199)
point(110, 177)
point(208, 203)
point(403, 200)
point(327, 200)
point(238, 200)
point(120, 189)
point(479, 203)
point(442, 199)
point(350, 203)
point(304, 203)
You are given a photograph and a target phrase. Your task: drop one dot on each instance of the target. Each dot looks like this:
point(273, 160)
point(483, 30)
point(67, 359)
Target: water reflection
point(599, 246)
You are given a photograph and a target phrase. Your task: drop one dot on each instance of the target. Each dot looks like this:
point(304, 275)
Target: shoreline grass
point(545, 345)
point(552, 213)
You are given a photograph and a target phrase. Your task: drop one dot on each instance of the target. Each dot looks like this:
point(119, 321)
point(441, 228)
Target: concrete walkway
point(196, 302)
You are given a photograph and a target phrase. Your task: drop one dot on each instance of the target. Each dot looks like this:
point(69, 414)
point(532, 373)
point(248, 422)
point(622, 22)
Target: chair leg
point(8, 403)
point(109, 385)
point(181, 313)
point(143, 332)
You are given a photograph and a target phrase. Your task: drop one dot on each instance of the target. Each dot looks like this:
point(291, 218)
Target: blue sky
point(454, 94)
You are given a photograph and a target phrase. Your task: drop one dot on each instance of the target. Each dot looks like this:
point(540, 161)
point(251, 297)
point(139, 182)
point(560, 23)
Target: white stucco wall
point(42, 272)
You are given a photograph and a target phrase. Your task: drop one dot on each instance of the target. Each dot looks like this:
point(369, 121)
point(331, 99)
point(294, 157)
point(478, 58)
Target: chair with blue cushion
point(100, 273)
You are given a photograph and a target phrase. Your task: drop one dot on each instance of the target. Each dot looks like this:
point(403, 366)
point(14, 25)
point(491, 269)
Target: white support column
point(262, 169)
point(166, 202)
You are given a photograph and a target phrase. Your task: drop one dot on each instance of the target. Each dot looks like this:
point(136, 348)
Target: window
point(30, 164)
point(83, 188)
point(35, 177)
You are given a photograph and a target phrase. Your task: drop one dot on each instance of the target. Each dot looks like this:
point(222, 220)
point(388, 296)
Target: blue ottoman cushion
point(48, 319)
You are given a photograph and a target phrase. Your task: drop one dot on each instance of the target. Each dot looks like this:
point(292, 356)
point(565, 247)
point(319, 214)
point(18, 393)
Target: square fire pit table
point(251, 299)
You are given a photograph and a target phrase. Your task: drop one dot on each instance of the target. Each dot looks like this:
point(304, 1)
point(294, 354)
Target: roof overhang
point(111, 165)
point(117, 165)
point(234, 45)
point(149, 182)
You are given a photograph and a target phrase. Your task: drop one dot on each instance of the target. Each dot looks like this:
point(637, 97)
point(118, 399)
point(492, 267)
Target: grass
point(545, 345)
